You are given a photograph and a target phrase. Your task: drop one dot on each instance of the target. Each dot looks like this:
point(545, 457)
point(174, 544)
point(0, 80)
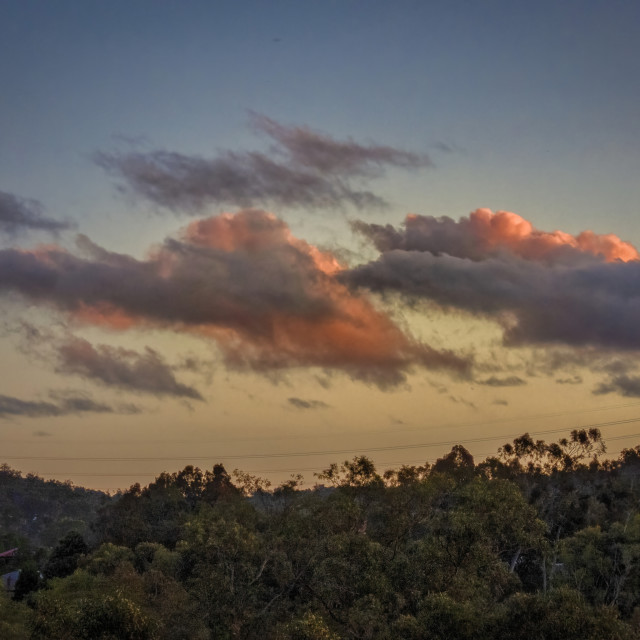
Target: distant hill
point(43, 511)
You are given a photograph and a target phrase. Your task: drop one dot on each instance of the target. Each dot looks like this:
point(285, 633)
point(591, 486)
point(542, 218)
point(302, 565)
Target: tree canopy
point(540, 541)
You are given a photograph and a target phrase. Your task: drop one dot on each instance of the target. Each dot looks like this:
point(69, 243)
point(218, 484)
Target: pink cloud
point(484, 234)
point(269, 300)
point(505, 229)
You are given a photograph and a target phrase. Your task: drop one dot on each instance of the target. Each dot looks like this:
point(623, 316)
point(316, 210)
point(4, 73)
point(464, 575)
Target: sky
point(279, 234)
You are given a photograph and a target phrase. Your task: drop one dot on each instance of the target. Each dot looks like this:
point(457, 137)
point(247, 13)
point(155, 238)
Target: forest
point(540, 541)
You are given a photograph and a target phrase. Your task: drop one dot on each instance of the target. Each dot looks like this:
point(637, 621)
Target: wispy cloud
point(509, 381)
point(145, 372)
point(572, 380)
point(21, 214)
point(299, 403)
point(117, 367)
point(302, 168)
point(62, 405)
point(305, 147)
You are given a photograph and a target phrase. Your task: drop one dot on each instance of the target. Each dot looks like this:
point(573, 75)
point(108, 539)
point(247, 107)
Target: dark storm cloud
point(125, 369)
point(63, 405)
point(302, 168)
point(269, 300)
point(19, 214)
point(299, 403)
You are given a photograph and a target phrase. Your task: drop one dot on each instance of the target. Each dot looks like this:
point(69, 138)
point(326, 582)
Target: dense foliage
point(43, 511)
point(541, 541)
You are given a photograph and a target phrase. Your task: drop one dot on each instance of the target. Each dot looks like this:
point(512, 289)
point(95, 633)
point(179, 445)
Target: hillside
point(540, 541)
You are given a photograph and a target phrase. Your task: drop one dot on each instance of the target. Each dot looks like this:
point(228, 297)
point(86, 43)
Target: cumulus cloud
point(269, 300)
point(302, 168)
point(484, 234)
point(299, 403)
point(542, 290)
point(20, 214)
point(62, 405)
point(125, 369)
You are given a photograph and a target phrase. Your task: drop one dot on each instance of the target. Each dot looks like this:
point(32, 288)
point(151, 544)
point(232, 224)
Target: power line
point(388, 464)
point(396, 429)
point(253, 456)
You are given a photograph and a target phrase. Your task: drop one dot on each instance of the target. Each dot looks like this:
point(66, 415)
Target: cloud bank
point(302, 168)
point(268, 299)
point(543, 288)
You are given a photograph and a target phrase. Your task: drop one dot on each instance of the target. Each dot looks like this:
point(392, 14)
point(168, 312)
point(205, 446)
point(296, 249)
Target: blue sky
point(540, 99)
point(524, 107)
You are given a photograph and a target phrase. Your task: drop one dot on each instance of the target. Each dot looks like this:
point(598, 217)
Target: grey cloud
point(551, 361)
point(20, 214)
point(308, 148)
point(573, 380)
point(188, 184)
point(618, 365)
point(424, 233)
point(303, 168)
point(589, 303)
point(624, 385)
point(509, 381)
point(63, 405)
point(11, 406)
point(125, 369)
point(82, 404)
point(299, 403)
